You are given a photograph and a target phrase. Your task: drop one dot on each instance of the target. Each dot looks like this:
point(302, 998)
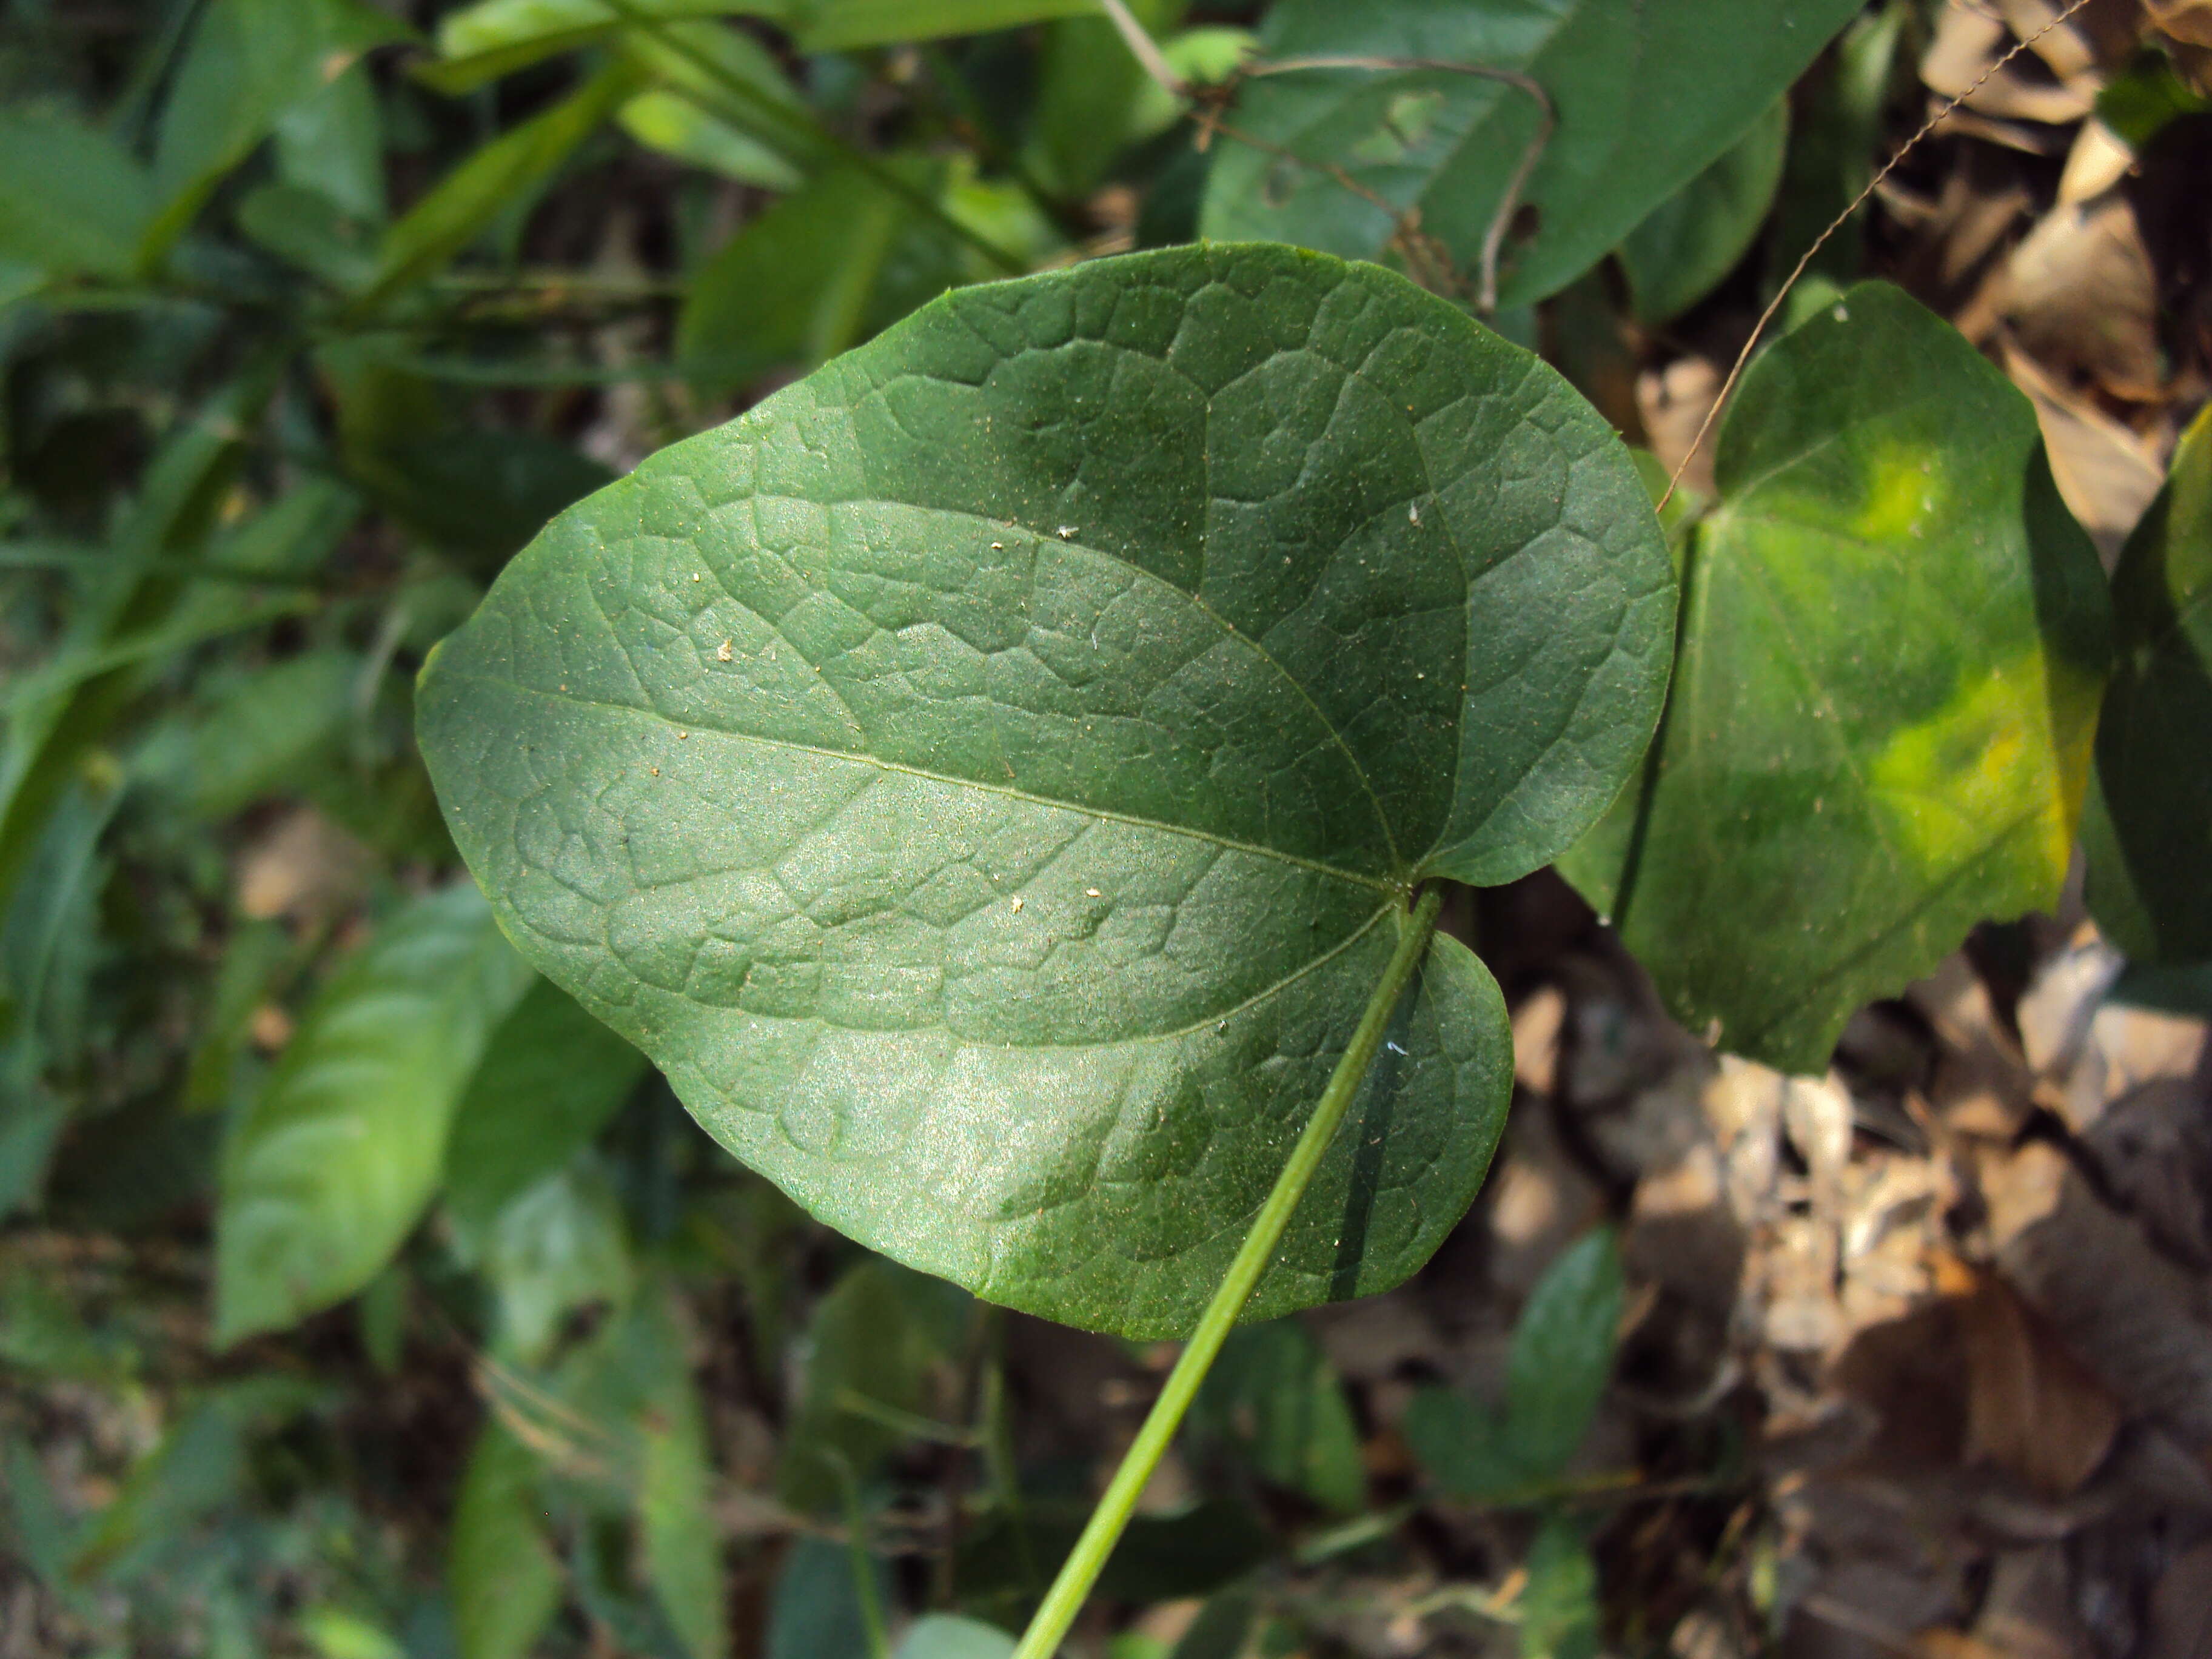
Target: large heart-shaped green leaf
point(988, 777)
point(1643, 97)
point(1893, 639)
point(2147, 830)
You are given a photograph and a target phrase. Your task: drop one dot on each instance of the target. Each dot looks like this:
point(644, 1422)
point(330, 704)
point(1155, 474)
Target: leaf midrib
point(1230, 631)
point(1081, 810)
point(1309, 966)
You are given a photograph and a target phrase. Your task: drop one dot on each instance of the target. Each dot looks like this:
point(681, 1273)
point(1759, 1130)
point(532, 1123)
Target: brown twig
point(1143, 48)
point(1736, 372)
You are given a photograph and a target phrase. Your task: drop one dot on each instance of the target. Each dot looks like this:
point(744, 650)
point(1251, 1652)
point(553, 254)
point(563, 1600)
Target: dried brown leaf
point(1958, 64)
point(2033, 1409)
point(2081, 298)
point(2106, 472)
point(2098, 162)
point(2180, 1623)
point(304, 865)
point(2187, 21)
point(2121, 1305)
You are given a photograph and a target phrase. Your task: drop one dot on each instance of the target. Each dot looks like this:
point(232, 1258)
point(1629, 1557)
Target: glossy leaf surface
point(1893, 640)
point(1644, 96)
point(987, 777)
point(2149, 828)
point(331, 1166)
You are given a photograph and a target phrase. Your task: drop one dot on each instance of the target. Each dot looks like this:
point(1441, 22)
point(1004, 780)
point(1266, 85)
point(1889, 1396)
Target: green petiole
point(1064, 1601)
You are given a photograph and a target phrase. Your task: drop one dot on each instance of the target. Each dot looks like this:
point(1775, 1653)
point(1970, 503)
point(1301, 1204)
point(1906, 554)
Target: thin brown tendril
point(1736, 373)
point(1142, 48)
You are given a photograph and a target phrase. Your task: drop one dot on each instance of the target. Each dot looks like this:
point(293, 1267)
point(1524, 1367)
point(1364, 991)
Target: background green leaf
point(1894, 640)
point(1644, 96)
point(2148, 827)
point(481, 492)
point(1092, 95)
point(1694, 238)
point(816, 1612)
point(644, 1444)
point(1274, 1397)
point(682, 1542)
point(555, 1248)
point(677, 127)
point(843, 25)
point(1837, 124)
point(1462, 1443)
point(46, 965)
point(1559, 1608)
point(55, 716)
point(1101, 656)
point(941, 1636)
point(1562, 1352)
point(200, 1466)
point(460, 207)
point(73, 201)
point(249, 64)
point(500, 1566)
point(265, 728)
point(825, 268)
point(1560, 1363)
point(328, 1169)
point(332, 143)
point(886, 1342)
point(481, 42)
point(551, 1077)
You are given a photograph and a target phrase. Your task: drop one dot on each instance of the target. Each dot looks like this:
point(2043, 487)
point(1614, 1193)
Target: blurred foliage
point(359, 1295)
